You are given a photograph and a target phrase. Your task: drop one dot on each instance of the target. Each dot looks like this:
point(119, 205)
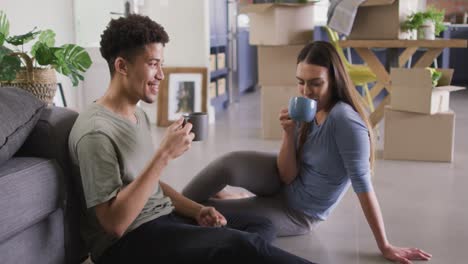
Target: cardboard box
point(273, 99)
point(280, 24)
point(277, 64)
point(221, 86)
point(221, 57)
point(212, 90)
point(381, 19)
point(412, 90)
point(212, 62)
point(413, 136)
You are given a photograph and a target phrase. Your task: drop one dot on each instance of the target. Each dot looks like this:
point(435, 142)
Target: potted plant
point(435, 76)
point(427, 24)
point(35, 70)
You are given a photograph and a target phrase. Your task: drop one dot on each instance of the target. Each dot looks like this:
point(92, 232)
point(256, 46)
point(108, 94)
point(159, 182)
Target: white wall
point(320, 12)
point(91, 18)
point(57, 15)
point(96, 79)
point(422, 4)
point(187, 23)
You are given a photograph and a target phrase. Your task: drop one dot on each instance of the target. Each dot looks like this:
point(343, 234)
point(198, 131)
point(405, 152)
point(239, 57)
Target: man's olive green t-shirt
point(111, 152)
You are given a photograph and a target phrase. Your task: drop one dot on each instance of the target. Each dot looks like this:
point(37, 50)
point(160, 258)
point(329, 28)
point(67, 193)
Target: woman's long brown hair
point(323, 54)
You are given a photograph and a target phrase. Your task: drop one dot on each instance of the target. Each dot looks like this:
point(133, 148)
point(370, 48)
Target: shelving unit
point(219, 48)
point(218, 73)
point(456, 58)
point(247, 72)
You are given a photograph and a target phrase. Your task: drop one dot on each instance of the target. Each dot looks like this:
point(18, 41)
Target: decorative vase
point(412, 34)
point(427, 30)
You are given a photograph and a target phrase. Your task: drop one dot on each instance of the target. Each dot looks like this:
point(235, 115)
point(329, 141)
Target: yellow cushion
point(361, 74)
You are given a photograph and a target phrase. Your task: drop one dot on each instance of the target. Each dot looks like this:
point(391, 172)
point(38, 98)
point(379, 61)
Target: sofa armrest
point(49, 138)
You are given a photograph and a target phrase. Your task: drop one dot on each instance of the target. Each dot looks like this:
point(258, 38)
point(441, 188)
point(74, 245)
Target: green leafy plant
point(435, 76)
point(416, 20)
point(69, 59)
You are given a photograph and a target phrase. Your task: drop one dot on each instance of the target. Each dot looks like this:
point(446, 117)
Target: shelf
point(215, 45)
point(219, 73)
point(218, 42)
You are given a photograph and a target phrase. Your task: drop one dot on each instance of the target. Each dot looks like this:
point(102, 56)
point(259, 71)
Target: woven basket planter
point(40, 82)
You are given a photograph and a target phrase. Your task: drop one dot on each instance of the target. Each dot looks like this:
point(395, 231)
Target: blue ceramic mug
point(302, 109)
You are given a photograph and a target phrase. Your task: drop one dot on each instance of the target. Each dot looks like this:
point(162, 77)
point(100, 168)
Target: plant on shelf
point(419, 20)
point(435, 76)
point(36, 68)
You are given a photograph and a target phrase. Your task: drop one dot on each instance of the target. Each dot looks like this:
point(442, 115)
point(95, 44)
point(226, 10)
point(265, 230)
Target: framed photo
point(183, 90)
point(59, 98)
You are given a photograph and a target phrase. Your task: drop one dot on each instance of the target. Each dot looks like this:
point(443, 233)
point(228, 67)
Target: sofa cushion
point(20, 111)
point(29, 192)
point(40, 243)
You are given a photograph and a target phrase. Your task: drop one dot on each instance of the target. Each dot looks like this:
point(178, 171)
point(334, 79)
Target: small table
point(433, 48)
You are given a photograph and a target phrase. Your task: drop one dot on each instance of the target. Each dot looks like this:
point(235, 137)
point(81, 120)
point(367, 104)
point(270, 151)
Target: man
point(132, 216)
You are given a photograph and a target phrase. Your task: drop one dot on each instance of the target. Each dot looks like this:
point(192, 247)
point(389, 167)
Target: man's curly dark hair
point(127, 36)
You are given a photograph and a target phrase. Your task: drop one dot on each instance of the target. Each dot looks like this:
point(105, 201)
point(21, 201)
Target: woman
point(317, 162)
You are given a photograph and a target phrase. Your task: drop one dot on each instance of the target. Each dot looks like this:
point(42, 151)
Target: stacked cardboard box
point(382, 19)
point(418, 123)
point(280, 31)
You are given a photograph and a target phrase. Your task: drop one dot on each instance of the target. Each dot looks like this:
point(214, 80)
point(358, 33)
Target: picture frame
point(183, 90)
point(59, 98)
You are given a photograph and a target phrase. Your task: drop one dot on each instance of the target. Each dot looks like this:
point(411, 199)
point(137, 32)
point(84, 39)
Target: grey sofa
point(39, 204)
